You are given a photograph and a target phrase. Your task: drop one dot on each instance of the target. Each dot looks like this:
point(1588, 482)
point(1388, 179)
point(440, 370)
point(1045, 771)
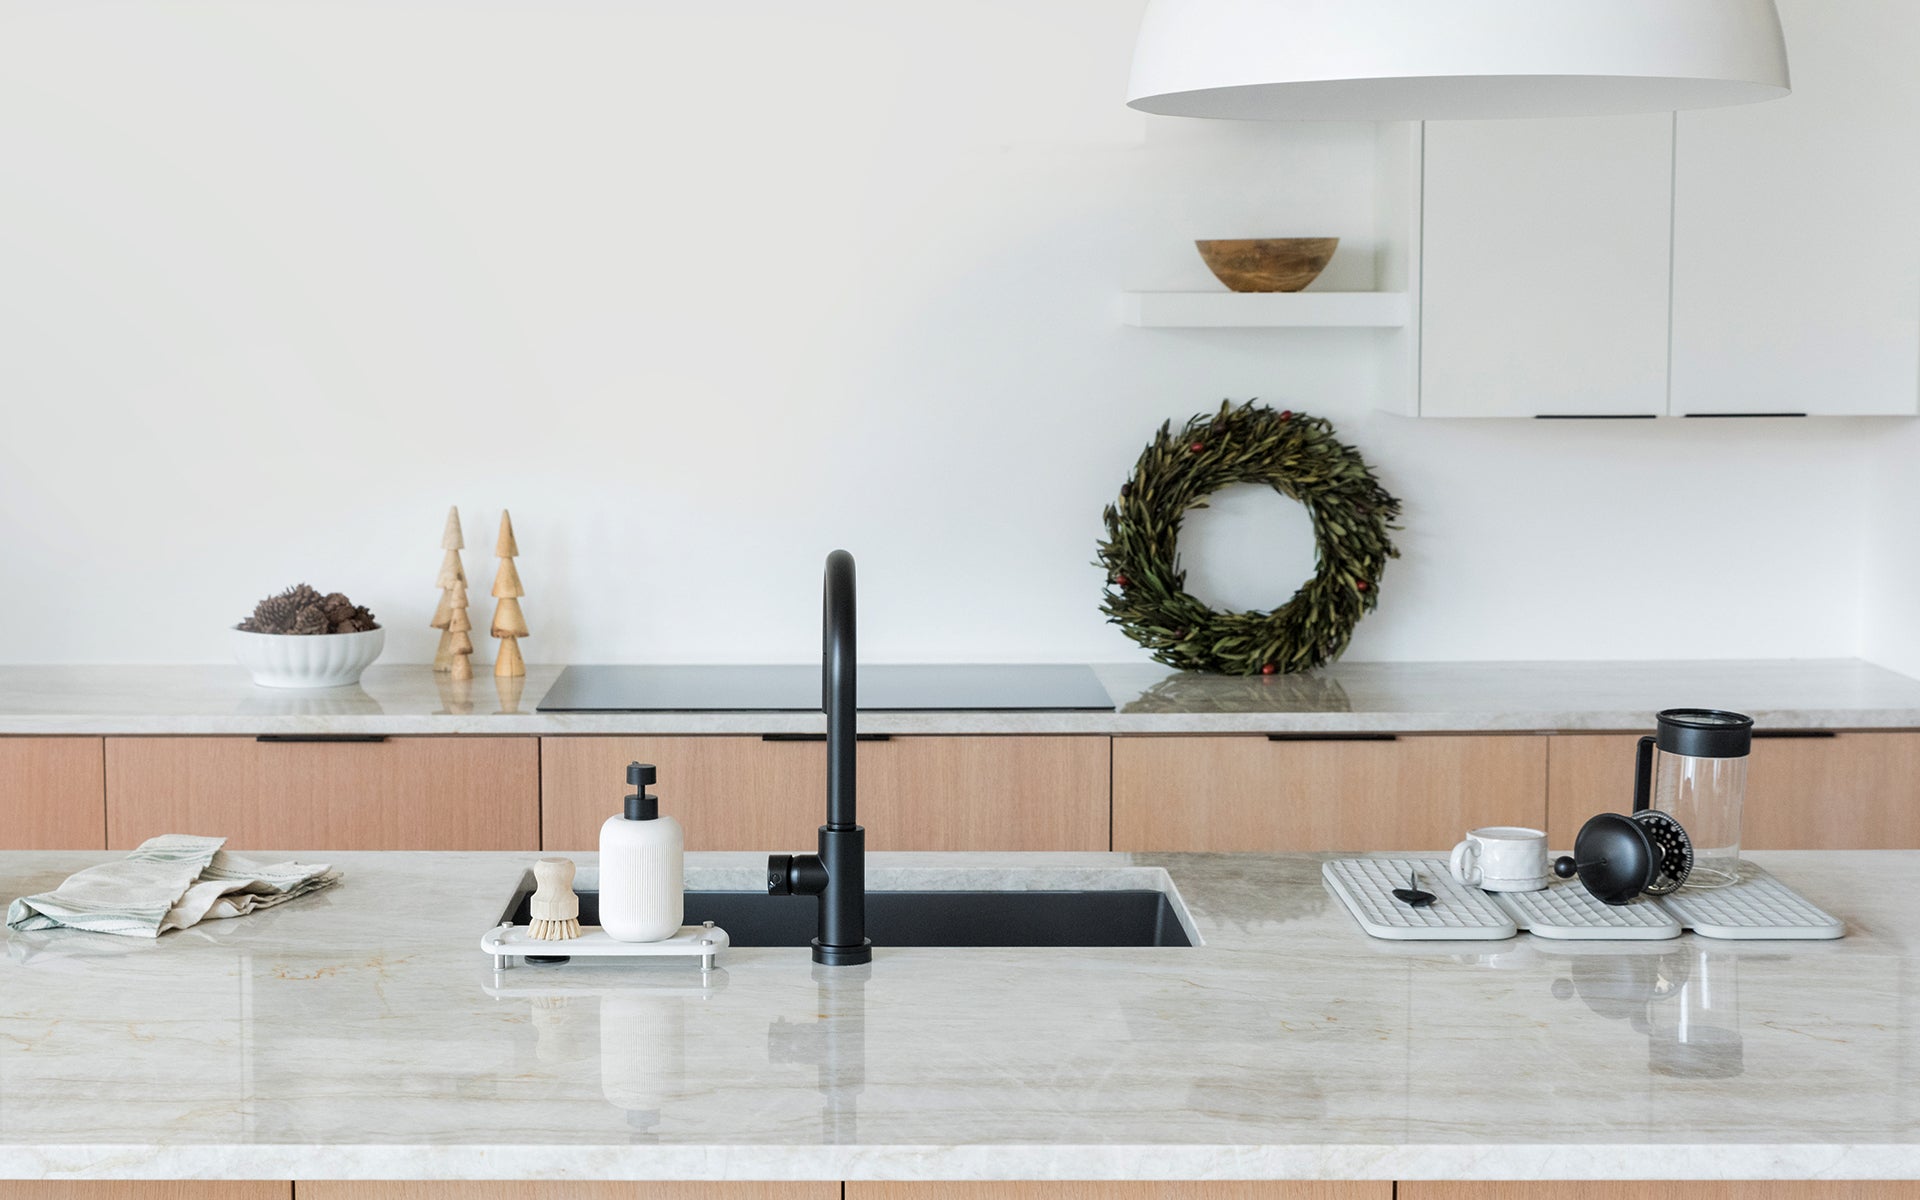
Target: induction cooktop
point(796, 688)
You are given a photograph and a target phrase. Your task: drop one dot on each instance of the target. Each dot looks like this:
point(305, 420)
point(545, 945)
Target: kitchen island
point(361, 1034)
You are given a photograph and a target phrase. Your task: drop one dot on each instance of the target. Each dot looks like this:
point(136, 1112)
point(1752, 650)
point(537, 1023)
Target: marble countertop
point(360, 1033)
point(1344, 698)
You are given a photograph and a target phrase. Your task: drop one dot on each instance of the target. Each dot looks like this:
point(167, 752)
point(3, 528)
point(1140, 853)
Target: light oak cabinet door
point(916, 793)
point(53, 794)
point(188, 1189)
point(1661, 1191)
point(1210, 1190)
point(544, 1190)
point(1846, 791)
point(1255, 793)
point(409, 793)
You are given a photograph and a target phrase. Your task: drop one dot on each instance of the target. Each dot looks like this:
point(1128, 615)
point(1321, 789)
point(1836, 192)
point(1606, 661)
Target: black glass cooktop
point(882, 688)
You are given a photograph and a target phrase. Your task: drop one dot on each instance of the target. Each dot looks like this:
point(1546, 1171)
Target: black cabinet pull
point(821, 737)
point(350, 739)
point(1738, 416)
point(1333, 737)
point(1595, 416)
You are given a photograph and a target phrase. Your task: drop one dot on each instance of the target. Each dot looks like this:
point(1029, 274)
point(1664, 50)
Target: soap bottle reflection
point(1686, 1002)
point(834, 1044)
point(643, 1061)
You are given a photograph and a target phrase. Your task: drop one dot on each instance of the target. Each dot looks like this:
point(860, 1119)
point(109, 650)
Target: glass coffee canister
point(1694, 769)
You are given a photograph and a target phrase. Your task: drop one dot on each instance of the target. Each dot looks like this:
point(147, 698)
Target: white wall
point(701, 291)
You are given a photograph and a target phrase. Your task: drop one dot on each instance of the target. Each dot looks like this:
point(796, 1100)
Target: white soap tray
point(508, 942)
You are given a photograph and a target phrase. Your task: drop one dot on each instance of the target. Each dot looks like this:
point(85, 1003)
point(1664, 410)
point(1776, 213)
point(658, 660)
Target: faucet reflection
point(835, 1045)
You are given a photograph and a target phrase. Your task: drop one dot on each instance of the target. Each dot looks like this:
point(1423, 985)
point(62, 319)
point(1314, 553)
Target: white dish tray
point(508, 942)
point(1758, 907)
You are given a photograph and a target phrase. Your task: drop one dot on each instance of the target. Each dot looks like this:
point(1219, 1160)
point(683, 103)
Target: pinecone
point(276, 614)
point(309, 620)
point(338, 607)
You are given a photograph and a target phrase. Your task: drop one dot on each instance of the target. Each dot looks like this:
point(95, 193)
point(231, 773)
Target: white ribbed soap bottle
point(642, 867)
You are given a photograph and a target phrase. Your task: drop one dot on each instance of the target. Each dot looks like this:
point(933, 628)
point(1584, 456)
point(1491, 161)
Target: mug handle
point(1463, 870)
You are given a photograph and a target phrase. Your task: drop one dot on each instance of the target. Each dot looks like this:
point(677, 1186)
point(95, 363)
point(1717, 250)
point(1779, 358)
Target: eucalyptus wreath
point(1297, 456)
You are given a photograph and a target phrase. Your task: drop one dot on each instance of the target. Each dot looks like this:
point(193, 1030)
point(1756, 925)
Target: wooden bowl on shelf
point(1267, 264)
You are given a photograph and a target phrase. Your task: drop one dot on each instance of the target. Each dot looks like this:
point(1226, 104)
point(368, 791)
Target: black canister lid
point(1705, 733)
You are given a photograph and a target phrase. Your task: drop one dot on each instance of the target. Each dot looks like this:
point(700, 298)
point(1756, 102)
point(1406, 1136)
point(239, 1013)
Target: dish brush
point(554, 915)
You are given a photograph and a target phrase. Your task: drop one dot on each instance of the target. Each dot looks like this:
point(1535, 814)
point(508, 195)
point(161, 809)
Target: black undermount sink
point(1106, 918)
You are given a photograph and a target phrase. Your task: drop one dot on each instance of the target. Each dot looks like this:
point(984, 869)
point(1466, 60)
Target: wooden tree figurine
point(509, 624)
point(451, 573)
point(457, 627)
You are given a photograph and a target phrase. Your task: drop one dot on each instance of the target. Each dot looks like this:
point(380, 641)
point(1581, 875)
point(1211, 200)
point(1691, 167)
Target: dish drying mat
point(1757, 907)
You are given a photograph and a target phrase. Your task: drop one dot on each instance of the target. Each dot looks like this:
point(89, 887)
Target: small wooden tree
point(457, 628)
point(451, 573)
point(509, 624)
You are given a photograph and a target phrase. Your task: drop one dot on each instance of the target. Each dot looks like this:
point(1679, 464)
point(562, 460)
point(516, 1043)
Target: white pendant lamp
point(1398, 60)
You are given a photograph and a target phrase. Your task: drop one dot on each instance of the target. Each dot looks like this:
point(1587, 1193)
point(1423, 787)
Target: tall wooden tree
point(509, 623)
point(451, 573)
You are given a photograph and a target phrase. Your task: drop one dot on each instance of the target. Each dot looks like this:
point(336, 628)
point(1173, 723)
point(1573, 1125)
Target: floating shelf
point(1265, 310)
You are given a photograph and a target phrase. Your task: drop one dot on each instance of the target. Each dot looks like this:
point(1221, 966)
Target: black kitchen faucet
point(838, 874)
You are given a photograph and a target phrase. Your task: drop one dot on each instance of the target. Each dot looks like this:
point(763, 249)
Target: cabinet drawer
point(132, 1189)
point(1252, 793)
point(557, 1190)
point(426, 793)
point(916, 793)
point(1757, 1190)
point(1127, 1190)
point(1846, 791)
point(53, 794)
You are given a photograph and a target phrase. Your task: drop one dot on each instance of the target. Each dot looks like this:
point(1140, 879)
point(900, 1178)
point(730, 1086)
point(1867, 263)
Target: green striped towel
point(170, 882)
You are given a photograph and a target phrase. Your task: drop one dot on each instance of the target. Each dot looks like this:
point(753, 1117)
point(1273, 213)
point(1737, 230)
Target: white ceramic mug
point(1503, 858)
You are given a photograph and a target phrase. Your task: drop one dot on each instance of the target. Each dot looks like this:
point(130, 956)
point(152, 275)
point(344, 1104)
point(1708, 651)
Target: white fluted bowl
point(318, 660)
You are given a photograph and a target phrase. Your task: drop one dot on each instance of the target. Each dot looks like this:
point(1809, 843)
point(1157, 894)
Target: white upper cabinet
point(1546, 270)
point(1796, 283)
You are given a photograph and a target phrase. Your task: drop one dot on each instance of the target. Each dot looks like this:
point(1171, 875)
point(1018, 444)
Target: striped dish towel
point(170, 882)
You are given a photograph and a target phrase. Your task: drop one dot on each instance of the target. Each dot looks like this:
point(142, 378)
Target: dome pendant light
point(1410, 60)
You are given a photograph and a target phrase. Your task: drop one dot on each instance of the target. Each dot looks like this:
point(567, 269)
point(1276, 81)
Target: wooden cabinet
point(53, 794)
point(426, 793)
point(1130, 1190)
point(1255, 793)
point(184, 1189)
point(1545, 267)
point(1796, 270)
point(1824, 1190)
point(1846, 791)
point(916, 793)
point(547, 1190)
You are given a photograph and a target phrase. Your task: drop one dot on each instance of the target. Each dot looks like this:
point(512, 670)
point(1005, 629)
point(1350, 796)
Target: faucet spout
point(838, 874)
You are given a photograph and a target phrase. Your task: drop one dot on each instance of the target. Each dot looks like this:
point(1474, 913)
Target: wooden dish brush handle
point(553, 898)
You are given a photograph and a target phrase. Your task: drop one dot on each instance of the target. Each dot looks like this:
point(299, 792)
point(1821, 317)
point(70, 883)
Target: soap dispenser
point(642, 866)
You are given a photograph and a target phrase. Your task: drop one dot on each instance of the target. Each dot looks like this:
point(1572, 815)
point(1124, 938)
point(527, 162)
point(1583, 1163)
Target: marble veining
point(1345, 697)
point(360, 1034)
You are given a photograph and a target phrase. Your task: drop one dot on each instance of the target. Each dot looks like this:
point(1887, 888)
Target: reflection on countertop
point(1346, 697)
point(321, 1040)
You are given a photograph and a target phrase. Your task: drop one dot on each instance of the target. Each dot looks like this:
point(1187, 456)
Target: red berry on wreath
point(1120, 580)
point(1361, 584)
point(1269, 669)
point(1287, 415)
point(1197, 447)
